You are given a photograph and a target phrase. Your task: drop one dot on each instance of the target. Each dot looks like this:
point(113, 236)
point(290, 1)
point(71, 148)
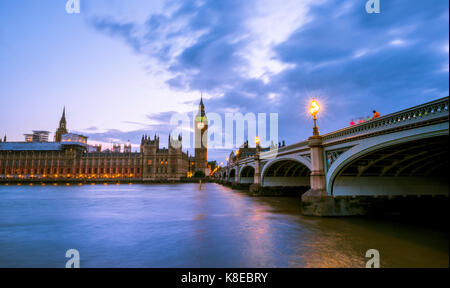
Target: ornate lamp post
point(314, 200)
point(255, 188)
point(257, 176)
point(236, 174)
point(314, 109)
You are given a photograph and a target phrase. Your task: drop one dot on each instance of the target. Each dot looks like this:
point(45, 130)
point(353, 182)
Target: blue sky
point(123, 67)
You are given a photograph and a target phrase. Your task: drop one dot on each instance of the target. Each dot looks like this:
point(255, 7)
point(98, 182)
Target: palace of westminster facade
point(69, 157)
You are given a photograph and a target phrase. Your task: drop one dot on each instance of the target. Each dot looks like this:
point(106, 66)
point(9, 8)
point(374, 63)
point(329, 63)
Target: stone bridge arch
point(231, 175)
point(392, 164)
point(222, 175)
point(285, 171)
point(246, 174)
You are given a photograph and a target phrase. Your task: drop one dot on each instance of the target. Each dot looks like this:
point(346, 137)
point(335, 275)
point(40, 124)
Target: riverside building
point(69, 157)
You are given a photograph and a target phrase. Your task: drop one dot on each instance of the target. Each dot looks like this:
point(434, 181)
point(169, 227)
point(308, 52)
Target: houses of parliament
point(70, 157)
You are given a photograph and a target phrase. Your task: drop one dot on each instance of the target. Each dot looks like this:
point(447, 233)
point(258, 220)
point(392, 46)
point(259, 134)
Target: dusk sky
point(123, 67)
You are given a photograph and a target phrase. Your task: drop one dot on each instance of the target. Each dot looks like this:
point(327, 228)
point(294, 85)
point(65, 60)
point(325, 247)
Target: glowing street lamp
point(314, 109)
point(257, 145)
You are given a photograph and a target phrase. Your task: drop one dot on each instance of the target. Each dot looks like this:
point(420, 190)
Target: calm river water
point(182, 226)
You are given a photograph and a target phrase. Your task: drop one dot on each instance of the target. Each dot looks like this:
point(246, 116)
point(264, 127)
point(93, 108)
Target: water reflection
point(181, 225)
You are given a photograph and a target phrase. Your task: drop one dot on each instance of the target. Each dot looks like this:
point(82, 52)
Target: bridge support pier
point(315, 201)
point(335, 206)
point(256, 188)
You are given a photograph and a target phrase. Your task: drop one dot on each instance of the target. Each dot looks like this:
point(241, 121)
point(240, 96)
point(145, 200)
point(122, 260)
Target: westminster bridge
point(402, 155)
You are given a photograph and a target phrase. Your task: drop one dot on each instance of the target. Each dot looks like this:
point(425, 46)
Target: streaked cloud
point(259, 56)
point(238, 50)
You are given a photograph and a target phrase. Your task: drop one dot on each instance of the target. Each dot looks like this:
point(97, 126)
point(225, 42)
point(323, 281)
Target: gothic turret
point(201, 108)
point(62, 129)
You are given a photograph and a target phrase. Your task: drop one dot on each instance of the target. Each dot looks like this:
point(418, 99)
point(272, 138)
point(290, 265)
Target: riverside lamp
point(314, 109)
point(257, 149)
point(257, 144)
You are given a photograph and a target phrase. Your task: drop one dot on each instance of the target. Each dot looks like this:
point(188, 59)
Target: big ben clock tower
point(201, 139)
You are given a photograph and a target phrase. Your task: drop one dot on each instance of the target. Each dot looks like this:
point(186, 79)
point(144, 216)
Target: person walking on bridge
point(375, 114)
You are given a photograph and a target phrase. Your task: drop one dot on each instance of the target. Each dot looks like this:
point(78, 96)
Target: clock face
point(200, 119)
point(200, 125)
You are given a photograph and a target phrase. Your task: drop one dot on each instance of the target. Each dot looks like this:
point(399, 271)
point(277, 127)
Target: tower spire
point(201, 107)
point(62, 122)
point(62, 129)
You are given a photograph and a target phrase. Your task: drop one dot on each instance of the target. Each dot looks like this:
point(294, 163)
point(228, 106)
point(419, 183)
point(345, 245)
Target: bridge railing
point(421, 113)
point(274, 152)
point(266, 155)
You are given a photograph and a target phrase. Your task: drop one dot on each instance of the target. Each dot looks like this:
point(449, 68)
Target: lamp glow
point(314, 109)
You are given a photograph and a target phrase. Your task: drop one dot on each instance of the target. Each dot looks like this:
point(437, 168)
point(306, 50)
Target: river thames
point(181, 225)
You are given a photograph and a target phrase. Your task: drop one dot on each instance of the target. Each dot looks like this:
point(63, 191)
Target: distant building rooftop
point(29, 146)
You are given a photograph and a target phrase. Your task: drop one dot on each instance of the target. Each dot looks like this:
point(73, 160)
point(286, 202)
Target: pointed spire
point(62, 122)
point(201, 107)
point(63, 117)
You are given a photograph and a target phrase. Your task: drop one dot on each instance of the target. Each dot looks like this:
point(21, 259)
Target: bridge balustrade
point(422, 113)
